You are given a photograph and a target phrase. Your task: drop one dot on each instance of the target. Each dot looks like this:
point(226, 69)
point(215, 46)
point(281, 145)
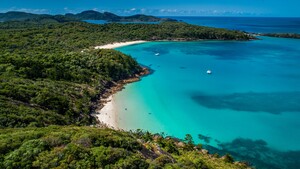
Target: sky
point(281, 8)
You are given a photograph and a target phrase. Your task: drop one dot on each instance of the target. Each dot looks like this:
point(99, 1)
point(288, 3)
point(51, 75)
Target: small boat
point(156, 54)
point(208, 72)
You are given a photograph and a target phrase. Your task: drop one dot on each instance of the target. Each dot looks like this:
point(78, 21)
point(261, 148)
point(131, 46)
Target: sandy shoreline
point(107, 115)
point(119, 44)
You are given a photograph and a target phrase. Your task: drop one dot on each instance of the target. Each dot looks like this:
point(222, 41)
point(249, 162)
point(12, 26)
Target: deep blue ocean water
point(248, 24)
point(249, 106)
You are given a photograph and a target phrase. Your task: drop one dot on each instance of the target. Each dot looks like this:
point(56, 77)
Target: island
point(85, 15)
point(52, 80)
point(282, 35)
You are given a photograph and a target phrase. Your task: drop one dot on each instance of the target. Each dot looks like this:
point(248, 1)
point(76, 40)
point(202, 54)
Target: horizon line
point(246, 15)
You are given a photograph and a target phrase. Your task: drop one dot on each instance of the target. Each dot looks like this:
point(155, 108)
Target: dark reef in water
point(258, 154)
point(274, 103)
point(206, 139)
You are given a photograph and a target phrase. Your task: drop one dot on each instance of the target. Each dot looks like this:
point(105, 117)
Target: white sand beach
point(119, 44)
point(108, 115)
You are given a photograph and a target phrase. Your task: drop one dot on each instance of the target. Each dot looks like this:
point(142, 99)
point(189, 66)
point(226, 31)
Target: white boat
point(208, 72)
point(156, 54)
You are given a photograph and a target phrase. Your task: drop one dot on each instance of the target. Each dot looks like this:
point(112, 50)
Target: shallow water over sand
point(253, 92)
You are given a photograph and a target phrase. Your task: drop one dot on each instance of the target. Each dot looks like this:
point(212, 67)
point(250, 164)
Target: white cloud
point(28, 10)
point(143, 10)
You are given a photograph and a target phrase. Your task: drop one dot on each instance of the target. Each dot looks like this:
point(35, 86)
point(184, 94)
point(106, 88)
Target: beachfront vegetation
point(50, 74)
point(88, 147)
point(39, 89)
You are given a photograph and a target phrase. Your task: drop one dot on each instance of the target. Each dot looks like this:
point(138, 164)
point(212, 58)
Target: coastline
point(119, 44)
point(106, 113)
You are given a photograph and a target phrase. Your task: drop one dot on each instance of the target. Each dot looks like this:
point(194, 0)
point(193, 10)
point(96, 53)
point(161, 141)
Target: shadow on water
point(274, 103)
point(258, 154)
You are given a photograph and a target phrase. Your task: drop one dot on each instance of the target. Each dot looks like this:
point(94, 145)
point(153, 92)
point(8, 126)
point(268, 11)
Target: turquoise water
point(253, 91)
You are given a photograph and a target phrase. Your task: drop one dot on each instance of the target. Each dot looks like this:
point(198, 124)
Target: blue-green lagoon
point(252, 95)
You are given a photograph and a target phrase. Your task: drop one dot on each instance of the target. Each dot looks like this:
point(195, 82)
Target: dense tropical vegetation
point(57, 88)
point(88, 147)
point(50, 74)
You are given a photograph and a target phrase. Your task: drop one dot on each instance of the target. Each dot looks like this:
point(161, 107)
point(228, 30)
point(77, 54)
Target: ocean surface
point(248, 24)
point(249, 106)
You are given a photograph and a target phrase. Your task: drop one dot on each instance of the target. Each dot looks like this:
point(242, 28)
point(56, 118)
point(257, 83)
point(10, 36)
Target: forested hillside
point(87, 147)
point(57, 88)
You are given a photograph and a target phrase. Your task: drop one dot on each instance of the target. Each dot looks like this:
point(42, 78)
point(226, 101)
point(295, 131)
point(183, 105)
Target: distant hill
point(94, 15)
point(85, 15)
point(9, 16)
point(41, 18)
